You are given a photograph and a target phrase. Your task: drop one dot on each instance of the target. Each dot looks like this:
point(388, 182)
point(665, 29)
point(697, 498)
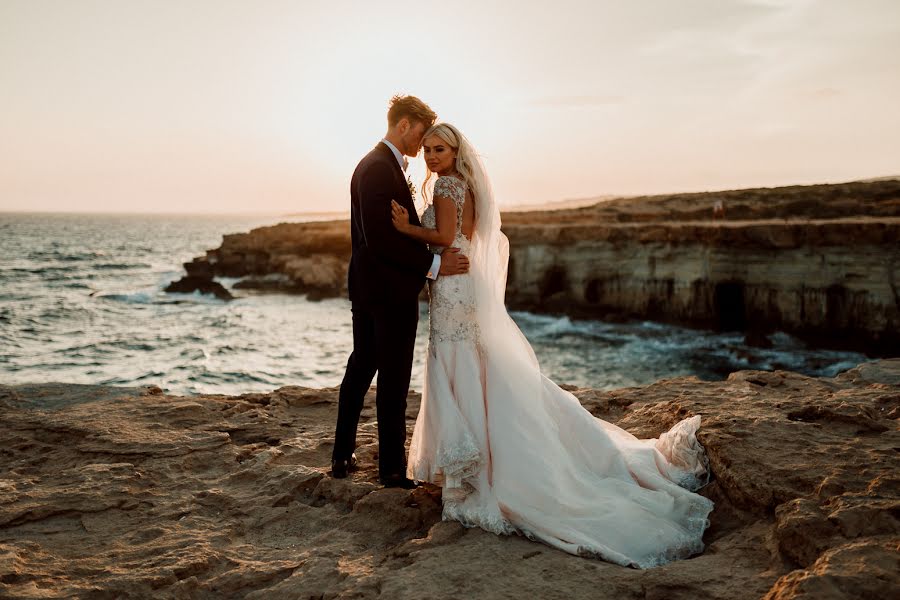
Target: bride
point(511, 450)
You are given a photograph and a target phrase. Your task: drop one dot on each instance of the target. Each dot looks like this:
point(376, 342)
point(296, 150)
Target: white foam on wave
point(229, 282)
point(719, 351)
point(157, 295)
point(132, 298)
point(196, 296)
point(548, 325)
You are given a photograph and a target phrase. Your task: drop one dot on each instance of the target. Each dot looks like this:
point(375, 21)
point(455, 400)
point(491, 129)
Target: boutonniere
point(412, 186)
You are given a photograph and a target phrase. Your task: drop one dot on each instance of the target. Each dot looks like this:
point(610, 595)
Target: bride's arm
point(444, 216)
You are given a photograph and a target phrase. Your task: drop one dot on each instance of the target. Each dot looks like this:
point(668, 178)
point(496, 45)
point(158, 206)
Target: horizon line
point(274, 213)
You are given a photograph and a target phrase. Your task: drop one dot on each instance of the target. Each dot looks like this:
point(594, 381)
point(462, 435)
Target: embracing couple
point(511, 450)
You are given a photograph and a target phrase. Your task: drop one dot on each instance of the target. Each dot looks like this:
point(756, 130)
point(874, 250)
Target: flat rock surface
point(132, 493)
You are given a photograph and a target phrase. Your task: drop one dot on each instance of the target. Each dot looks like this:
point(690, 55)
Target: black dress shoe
point(340, 468)
point(399, 481)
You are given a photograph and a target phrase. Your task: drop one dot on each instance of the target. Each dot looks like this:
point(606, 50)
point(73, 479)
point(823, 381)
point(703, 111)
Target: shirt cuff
point(435, 267)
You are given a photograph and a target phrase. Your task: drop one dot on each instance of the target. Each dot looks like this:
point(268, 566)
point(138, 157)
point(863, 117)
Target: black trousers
point(383, 341)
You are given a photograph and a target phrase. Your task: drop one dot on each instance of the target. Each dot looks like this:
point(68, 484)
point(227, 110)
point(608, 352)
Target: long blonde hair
point(466, 159)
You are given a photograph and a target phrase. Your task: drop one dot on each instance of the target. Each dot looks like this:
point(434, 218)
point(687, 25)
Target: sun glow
point(205, 106)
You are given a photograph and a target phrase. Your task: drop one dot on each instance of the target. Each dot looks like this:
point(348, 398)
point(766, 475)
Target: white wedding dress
point(515, 453)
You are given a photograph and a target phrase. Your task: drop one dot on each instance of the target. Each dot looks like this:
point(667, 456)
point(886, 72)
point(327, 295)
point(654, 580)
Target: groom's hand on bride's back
point(453, 263)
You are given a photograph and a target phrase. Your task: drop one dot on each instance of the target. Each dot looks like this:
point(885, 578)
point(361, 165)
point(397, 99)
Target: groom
point(387, 272)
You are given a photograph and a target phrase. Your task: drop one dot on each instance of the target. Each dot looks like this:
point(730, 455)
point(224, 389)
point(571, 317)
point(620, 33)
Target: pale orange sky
point(267, 106)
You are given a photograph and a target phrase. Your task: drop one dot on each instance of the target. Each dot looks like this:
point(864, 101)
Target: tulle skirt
point(544, 467)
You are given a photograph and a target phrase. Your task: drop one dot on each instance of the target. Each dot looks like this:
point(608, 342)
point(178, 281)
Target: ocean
point(82, 301)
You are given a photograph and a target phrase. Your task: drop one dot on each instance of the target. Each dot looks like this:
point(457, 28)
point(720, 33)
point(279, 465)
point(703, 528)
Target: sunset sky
point(227, 106)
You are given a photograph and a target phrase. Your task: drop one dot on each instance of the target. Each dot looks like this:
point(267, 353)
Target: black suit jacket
point(386, 266)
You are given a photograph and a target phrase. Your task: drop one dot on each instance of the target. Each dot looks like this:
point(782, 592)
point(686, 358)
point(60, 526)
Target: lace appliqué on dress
point(455, 189)
point(451, 297)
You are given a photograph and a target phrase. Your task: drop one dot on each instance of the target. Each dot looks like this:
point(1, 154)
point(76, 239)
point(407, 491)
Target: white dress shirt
point(436, 261)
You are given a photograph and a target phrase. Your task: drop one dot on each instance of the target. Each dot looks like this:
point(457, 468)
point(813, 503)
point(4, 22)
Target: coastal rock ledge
point(821, 262)
point(133, 493)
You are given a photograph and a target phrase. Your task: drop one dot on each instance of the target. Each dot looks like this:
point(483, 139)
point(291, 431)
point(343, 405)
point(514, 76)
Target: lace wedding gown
point(543, 466)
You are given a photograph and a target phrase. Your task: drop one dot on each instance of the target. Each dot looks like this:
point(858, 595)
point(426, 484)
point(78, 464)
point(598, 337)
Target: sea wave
point(120, 266)
point(65, 256)
point(157, 296)
point(82, 300)
point(128, 298)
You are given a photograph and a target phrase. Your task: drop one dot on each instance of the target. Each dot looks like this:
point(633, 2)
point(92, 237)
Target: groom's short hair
point(412, 108)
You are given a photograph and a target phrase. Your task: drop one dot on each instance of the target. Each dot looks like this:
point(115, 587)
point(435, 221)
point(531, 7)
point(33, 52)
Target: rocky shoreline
point(133, 493)
point(820, 262)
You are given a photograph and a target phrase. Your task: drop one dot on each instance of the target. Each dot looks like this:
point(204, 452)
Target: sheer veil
point(489, 261)
point(511, 367)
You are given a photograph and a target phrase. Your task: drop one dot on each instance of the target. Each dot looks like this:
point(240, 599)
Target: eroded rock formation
point(832, 281)
point(133, 493)
point(821, 262)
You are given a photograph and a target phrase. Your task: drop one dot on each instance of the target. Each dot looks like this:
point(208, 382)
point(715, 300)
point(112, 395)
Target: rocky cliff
point(822, 262)
point(307, 258)
point(133, 493)
point(832, 281)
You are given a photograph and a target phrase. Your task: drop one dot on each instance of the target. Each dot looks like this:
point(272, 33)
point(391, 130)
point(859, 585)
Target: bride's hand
point(399, 216)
